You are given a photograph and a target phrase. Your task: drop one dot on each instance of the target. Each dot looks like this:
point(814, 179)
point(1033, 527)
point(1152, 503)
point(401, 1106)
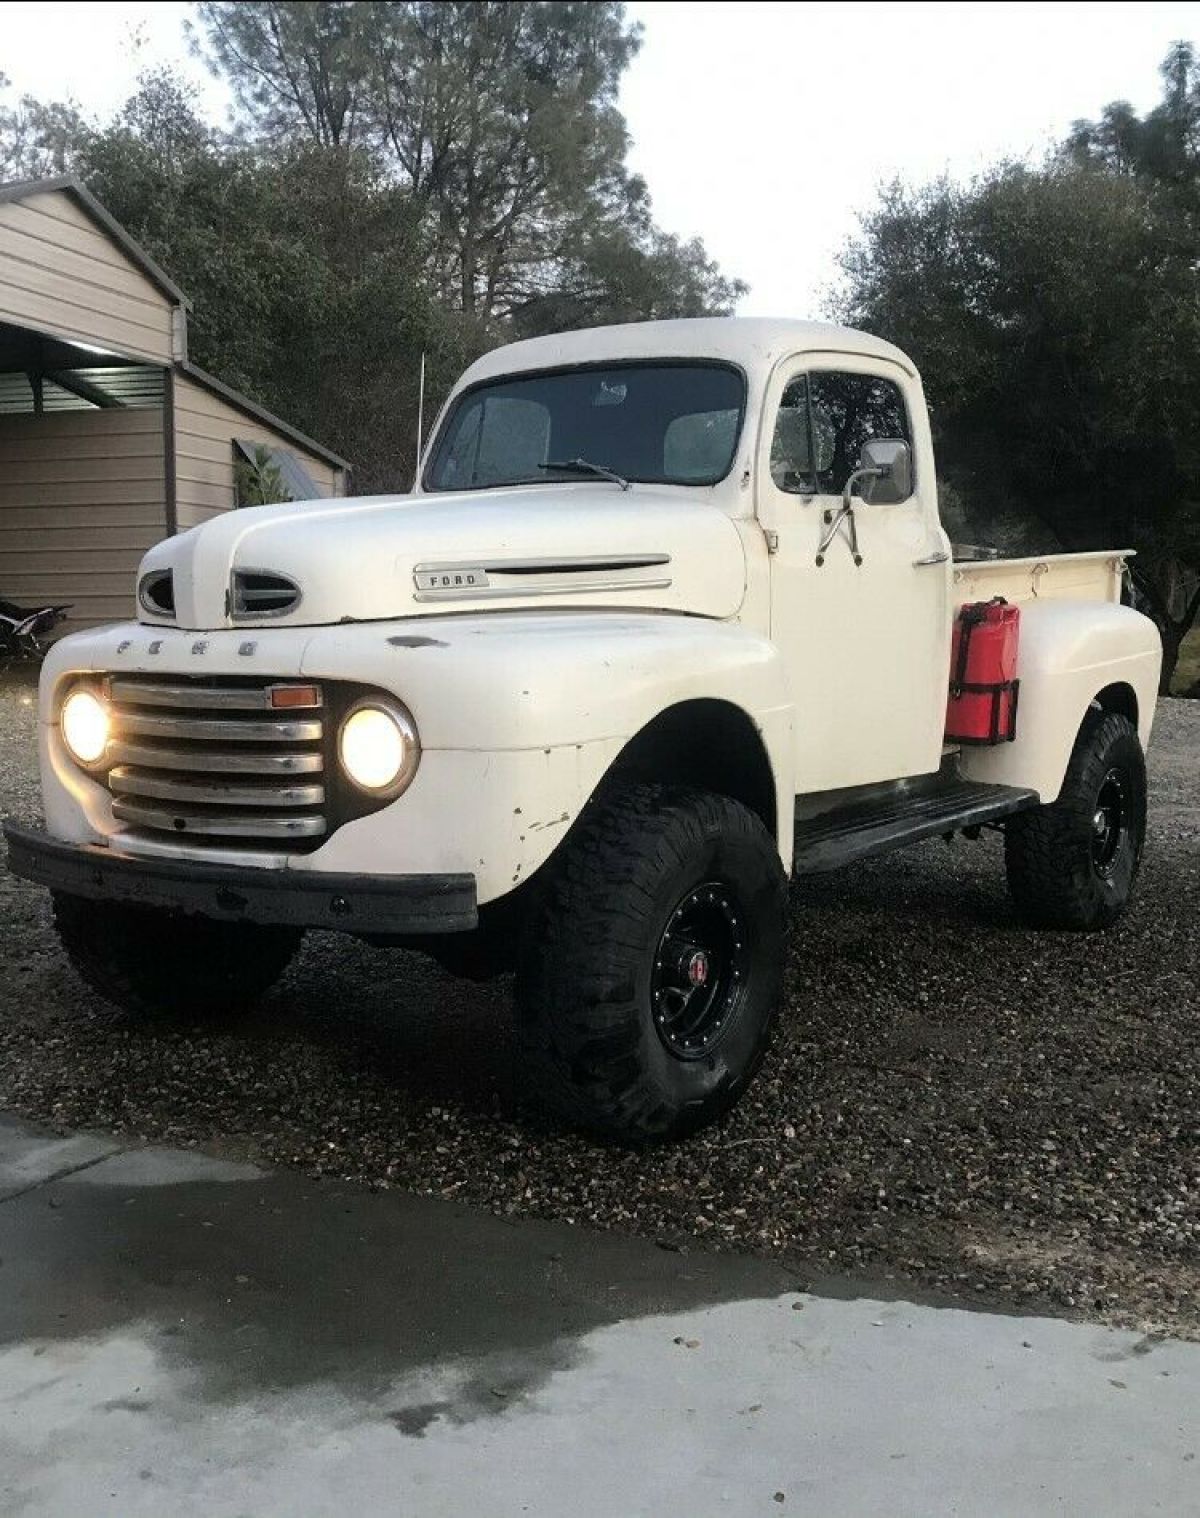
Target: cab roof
point(754, 343)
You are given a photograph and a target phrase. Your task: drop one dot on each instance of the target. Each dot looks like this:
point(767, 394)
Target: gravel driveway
point(953, 1102)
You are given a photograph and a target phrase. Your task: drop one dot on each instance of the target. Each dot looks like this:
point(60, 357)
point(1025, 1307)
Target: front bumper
point(361, 904)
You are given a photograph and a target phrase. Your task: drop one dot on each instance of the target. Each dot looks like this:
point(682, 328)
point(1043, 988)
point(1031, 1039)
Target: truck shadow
point(223, 1289)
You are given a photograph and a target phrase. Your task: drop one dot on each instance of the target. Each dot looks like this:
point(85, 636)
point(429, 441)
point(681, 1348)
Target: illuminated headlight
point(378, 747)
point(85, 725)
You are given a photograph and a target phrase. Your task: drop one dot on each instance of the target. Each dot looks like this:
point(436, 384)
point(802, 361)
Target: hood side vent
point(260, 593)
point(156, 593)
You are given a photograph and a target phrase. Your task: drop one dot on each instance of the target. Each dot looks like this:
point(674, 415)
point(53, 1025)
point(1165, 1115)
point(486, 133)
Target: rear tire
point(163, 965)
point(652, 964)
point(1073, 864)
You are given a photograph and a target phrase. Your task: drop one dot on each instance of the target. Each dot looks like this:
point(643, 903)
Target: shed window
point(263, 474)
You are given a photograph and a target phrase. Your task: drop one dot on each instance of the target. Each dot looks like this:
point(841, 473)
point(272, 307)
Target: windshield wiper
point(585, 466)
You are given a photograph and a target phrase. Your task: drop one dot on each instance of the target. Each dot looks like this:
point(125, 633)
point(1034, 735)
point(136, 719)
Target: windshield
point(666, 423)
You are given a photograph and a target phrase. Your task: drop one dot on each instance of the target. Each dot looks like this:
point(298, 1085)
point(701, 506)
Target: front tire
point(653, 963)
point(164, 965)
point(1073, 864)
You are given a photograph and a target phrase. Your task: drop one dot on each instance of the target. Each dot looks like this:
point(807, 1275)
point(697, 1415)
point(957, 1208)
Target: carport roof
point(21, 189)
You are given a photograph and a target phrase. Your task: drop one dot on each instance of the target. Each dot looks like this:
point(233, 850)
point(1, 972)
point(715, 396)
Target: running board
point(857, 831)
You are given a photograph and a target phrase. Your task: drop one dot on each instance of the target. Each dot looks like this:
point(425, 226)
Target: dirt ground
point(954, 1103)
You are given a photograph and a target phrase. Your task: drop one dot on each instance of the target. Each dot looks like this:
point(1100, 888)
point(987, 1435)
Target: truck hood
point(382, 557)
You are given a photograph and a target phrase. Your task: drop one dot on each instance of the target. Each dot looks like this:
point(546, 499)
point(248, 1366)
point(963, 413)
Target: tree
point(296, 68)
point(1164, 146)
point(1054, 312)
point(499, 118)
point(614, 277)
point(35, 139)
point(502, 118)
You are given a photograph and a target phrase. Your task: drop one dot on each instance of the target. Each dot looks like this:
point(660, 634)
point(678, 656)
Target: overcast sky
point(764, 128)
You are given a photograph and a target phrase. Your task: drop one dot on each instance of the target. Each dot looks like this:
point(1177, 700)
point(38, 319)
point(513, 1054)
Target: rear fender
point(1071, 653)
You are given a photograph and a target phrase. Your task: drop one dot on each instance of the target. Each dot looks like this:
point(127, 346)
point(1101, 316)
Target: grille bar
point(216, 760)
point(204, 698)
point(131, 782)
point(181, 819)
point(204, 758)
point(154, 726)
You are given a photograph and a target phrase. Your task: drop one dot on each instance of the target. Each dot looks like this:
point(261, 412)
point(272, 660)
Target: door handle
point(941, 557)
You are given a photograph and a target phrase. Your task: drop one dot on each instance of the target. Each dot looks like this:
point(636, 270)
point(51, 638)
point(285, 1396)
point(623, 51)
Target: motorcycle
point(23, 629)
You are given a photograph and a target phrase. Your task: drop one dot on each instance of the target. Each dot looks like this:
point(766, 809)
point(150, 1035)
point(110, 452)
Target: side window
point(847, 411)
point(791, 452)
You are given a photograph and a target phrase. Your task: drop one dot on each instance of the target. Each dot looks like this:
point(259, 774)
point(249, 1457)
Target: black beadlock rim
point(1110, 822)
point(701, 968)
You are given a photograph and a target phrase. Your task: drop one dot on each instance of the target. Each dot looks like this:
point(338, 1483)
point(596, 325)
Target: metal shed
point(110, 439)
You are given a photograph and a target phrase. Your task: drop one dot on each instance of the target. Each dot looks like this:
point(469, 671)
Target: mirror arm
point(871, 472)
point(846, 511)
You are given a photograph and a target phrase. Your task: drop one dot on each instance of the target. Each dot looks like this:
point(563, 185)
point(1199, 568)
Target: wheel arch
point(1119, 697)
point(707, 742)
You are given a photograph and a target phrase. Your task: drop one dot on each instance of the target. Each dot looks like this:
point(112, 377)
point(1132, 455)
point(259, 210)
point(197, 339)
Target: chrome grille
point(220, 759)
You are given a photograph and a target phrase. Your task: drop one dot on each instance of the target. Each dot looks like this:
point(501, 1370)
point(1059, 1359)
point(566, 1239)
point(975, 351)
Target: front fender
point(1070, 651)
point(522, 715)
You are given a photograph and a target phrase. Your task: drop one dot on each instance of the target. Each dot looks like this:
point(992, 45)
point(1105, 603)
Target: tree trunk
point(1172, 640)
point(1171, 597)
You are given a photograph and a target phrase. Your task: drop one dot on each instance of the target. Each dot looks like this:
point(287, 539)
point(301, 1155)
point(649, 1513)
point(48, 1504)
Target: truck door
point(867, 644)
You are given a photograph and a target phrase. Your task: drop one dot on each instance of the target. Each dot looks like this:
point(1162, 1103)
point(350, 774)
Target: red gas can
point(983, 674)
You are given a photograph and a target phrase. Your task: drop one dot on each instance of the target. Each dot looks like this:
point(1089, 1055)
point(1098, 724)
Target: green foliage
point(1164, 146)
point(305, 268)
point(35, 139)
point(258, 481)
point(499, 119)
point(298, 69)
point(1055, 314)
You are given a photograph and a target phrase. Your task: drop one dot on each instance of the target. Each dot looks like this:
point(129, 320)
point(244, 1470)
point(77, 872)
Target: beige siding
point(205, 427)
point(81, 499)
point(60, 273)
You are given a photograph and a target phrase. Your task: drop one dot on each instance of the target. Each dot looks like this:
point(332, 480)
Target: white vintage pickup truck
point(667, 617)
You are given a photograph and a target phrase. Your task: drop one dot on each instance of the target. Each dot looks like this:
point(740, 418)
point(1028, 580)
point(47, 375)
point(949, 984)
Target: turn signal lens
point(378, 747)
point(85, 725)
point(285, 696)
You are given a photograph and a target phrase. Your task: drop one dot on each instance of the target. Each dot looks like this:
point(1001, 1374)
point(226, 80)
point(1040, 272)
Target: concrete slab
point(236, 1343)
point(30, 1155)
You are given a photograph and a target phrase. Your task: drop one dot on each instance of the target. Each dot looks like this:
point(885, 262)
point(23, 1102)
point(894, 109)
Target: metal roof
point(260, 413)
point(22, 189)
point(79, 389)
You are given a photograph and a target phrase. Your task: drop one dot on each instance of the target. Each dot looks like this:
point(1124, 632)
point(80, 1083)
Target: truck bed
point(1048, 577)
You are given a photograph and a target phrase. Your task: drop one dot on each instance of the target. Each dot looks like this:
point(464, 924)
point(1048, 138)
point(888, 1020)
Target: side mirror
point(885, 468)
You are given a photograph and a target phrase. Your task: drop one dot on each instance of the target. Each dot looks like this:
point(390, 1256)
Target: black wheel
point(1073, 864)
point(166, 965)
point(653, 963)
